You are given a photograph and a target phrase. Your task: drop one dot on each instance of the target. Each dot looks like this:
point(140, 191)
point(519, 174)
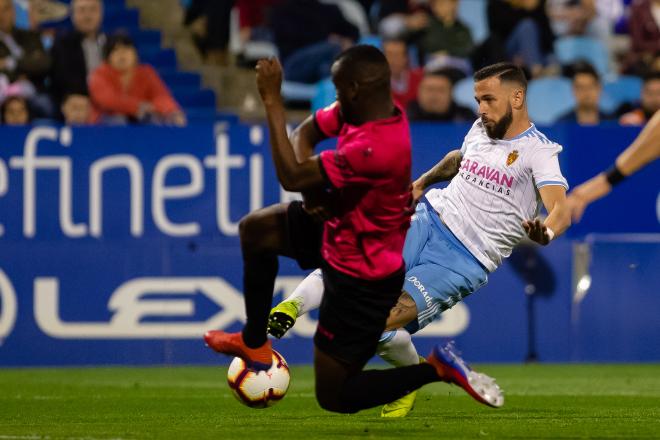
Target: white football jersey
point(496, 189)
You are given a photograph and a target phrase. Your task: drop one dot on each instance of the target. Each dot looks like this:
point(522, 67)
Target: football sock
point(259, 274)
point(396, 348)
point(309, 293)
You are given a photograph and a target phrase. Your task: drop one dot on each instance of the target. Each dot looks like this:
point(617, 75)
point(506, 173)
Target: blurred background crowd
point(174, 62)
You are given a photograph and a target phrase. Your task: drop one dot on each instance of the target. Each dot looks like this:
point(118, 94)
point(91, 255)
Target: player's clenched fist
point(269, 79)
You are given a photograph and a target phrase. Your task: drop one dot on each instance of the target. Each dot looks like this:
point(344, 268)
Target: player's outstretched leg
point(396, 348)
point(307, 296)
point(453, 369)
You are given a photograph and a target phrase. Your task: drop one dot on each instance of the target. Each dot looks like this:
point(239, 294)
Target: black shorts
point(353, 314)
point(305, 236)
point(353, 311)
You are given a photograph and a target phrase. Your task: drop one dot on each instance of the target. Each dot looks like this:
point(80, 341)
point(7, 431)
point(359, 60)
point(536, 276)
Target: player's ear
point(517, 98)
point(352, 90)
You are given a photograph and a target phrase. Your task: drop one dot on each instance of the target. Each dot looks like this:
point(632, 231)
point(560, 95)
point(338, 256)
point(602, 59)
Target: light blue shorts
point(440, 271)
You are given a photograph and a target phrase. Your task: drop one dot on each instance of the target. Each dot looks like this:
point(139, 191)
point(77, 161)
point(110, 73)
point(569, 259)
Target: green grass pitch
point(542, 401)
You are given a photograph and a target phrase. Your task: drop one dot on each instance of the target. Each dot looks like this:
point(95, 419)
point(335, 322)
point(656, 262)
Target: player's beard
point(498, 130)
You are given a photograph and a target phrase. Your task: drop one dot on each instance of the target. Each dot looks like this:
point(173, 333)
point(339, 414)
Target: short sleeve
point(328, 120)
point(545, 166)
point(351, 165)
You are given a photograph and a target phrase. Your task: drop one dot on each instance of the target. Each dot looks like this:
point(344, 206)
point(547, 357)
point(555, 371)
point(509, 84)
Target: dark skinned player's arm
point(294, 173)
point(305, 138)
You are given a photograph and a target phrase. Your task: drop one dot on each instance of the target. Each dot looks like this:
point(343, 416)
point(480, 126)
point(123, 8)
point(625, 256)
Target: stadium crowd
point(65, 65)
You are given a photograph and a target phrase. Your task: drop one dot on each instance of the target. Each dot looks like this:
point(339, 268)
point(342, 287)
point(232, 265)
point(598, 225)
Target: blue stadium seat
point(623, 89)
point(126, 19)
point(548, 99)
point(473, 14)
point(572, 49)
point(194, 97)
point(464, 93)
point(174, 78)
point(163, 58)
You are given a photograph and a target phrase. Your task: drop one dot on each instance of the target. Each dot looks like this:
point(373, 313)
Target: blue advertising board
point(120, 246)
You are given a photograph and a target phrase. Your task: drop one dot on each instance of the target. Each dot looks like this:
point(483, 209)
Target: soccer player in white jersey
point(503, 172)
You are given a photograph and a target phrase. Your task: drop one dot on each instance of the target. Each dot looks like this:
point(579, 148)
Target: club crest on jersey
point(512, 157)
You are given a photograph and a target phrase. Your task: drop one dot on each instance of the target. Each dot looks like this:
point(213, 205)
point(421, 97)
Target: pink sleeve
point(351, 165)
point(328, 120)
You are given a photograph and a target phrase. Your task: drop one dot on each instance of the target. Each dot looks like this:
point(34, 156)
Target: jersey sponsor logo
point(511, 158)
point(492, 174)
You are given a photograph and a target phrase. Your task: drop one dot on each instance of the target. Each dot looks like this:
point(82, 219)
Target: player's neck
point(518, 126)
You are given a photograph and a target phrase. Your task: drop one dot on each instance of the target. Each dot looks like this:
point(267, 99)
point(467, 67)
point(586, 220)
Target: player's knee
point(392, 339)
point(253, 230)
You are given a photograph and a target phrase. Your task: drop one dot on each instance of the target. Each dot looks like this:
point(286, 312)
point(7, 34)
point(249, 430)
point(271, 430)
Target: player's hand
point(269, 80)
point(417, 190)
point(577, 205)
point(537, 231)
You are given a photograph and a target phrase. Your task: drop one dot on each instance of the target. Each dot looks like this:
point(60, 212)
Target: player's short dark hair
point(119, 39)
point(504, 71)
point(365, 64)
point(584, 68)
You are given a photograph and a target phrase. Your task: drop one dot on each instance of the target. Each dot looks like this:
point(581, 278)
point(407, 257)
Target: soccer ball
point(259, 389)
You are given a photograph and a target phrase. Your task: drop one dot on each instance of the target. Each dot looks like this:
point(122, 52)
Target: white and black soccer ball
point(259, 389)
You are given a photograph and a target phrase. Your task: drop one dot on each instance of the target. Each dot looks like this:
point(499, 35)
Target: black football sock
point(259, 274)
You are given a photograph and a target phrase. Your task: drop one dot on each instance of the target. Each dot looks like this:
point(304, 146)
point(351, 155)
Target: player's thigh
point(403, 312)
point(265, 230)
point(433, 288)
point(330, 375)
point(417, 236)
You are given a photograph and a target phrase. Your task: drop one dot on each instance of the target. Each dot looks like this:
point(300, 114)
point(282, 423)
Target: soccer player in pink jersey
point(359, 245)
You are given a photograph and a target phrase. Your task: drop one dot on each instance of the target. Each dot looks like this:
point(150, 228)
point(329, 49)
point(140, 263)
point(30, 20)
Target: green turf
point(542, 401)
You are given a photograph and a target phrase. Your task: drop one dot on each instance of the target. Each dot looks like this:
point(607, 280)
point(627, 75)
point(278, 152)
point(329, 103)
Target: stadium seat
point(173, 78)
point(548, 99)
point(473, 14)
point(162, 58)
point(572, 49)
point(464, 93)
point(353, 12)
point(194, 97)
point(623, 89)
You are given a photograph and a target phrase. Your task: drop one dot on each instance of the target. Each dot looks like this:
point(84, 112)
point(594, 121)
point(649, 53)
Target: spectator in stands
point(309, 35)
point(122, 89)
point(21, 53)
point(649, 102)
point(405, 81)
point(15, 110)
point(77, 109)
point(209, 23)
point(435, 102)
point(523, 27)
point(445, 34)
point(644, 25)
point(402, 18)
point(79, 52)
point(586, 90)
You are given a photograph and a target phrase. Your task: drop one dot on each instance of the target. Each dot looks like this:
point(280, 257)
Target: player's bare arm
point(559, 216)
point(444, 170)
point(644, 150)
point(402, 313)
point(292, 174)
